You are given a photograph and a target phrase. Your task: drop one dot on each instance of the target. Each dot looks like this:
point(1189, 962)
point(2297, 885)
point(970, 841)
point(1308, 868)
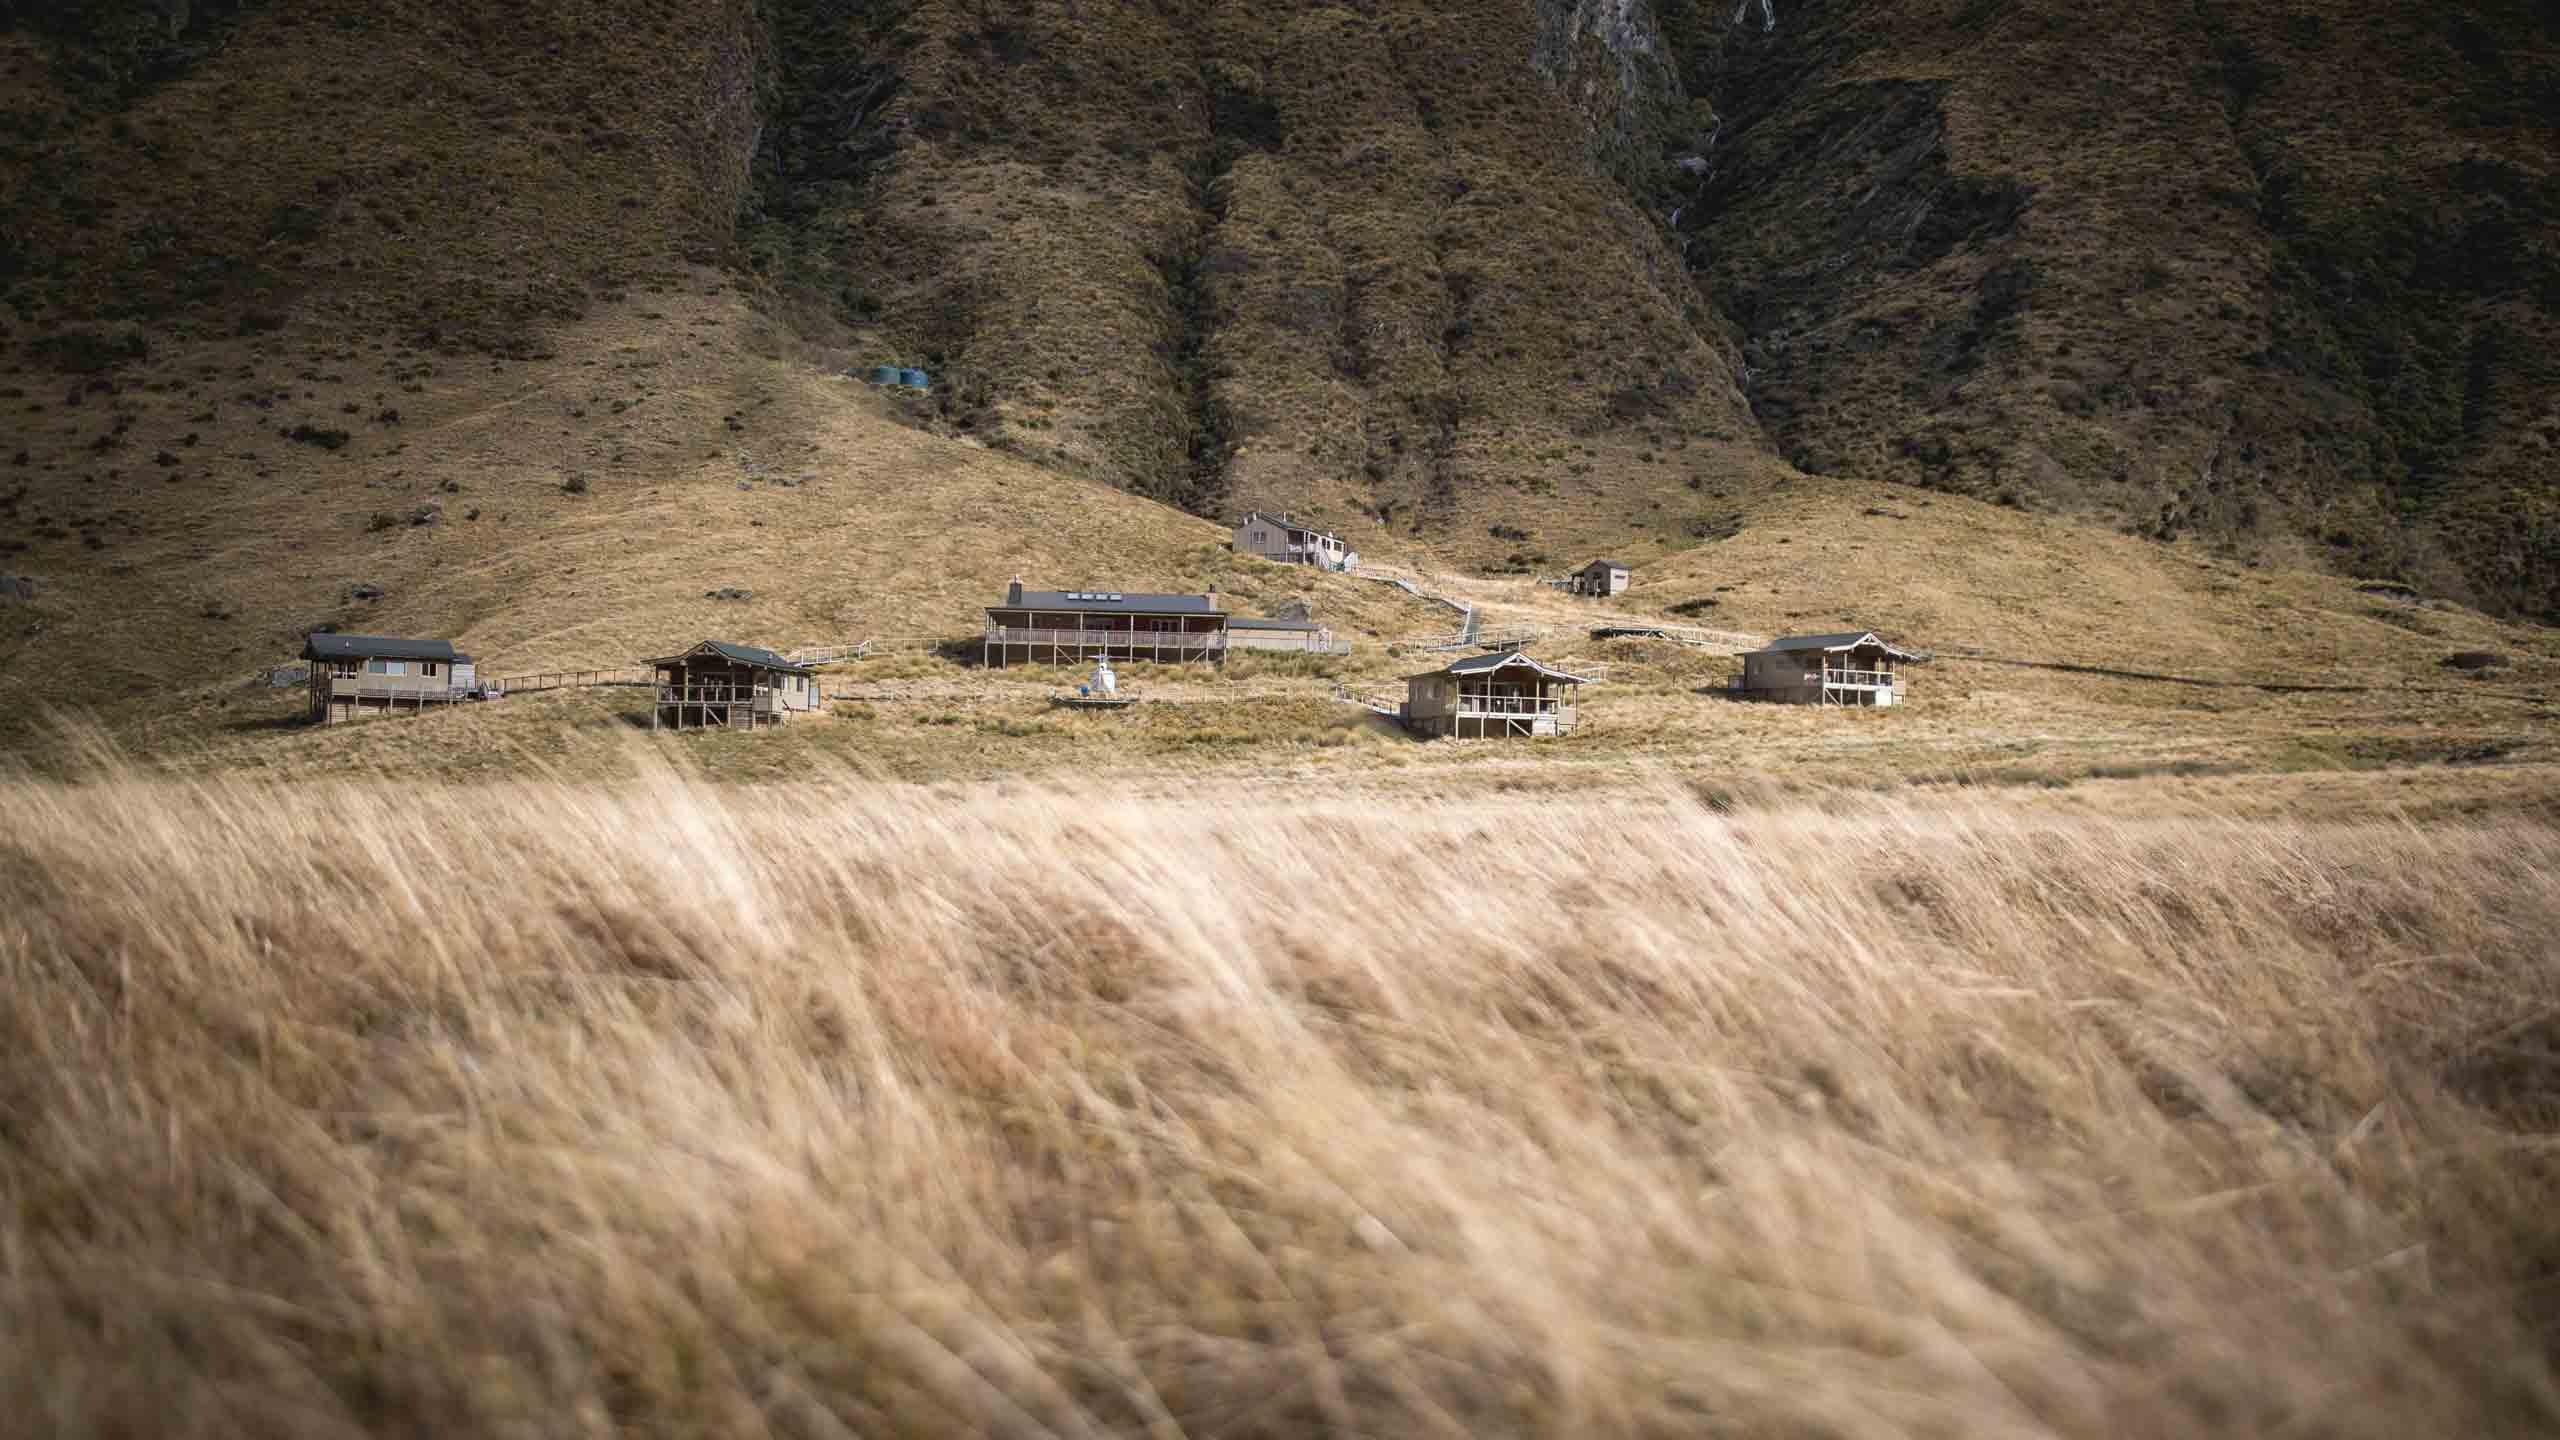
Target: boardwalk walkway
point(1469, 623)
point(1722, 641)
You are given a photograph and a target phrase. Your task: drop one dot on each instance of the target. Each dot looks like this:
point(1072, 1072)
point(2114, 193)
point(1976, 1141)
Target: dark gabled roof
point(1241, 623)
point(1607, 565)
point(375, 647)
point(1487, 664)
point(1844, 640)
point(747, 655)
point(1284, 522)
point(1110, 602)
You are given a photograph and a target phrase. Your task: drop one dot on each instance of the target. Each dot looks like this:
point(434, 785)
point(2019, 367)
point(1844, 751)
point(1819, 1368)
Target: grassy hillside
point(188, 499)
point(577, 511)
point(570, 511)
point(455, 174)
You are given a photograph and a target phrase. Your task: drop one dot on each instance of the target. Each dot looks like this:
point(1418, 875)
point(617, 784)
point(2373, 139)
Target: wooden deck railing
point(757, 695)
point(1130, 640)
point(343, 690)
point(1471, 706)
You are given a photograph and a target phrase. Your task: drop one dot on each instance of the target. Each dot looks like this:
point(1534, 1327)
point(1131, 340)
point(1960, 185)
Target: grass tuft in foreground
point(553, 1110)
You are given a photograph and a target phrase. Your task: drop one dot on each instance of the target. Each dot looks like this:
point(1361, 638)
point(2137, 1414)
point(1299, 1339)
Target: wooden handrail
point(1168, 639)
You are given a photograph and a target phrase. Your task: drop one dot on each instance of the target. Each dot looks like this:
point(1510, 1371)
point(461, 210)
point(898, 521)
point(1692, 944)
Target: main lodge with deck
point(1067, 627)
point(736, 687)
point(1849, 668)
point(1491, 695)
point(353, 676)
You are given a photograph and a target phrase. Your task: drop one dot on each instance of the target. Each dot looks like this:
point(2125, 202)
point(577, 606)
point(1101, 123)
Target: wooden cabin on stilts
point(1850, 668)
point(735, 687)
point(1488, 696)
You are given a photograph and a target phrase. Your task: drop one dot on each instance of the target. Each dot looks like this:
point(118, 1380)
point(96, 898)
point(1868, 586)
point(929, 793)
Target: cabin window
point(428, 668)
point(386, 667)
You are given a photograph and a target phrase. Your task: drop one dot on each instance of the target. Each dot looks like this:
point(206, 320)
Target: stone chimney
point(1013, 592)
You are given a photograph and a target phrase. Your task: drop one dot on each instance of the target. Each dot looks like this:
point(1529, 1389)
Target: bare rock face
point(1614, 67)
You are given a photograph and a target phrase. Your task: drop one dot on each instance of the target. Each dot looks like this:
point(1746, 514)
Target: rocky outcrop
point(2159, 270)
point(1611, 62)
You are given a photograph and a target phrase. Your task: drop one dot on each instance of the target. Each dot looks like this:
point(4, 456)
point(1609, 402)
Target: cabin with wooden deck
point(1277, 537)
point(1849, 668)
point(735, 687)
point(1482, 696)
point(1069, 627)
point(354, 676)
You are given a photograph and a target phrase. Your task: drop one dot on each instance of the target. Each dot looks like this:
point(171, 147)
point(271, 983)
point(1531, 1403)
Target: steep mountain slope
point(2277, 275)
point(2242, 270)
point(1519, 279)
point(453, 172)
point(1379, 261)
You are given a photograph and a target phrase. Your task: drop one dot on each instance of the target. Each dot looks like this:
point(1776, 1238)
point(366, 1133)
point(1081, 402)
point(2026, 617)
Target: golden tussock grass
point(540, 1109)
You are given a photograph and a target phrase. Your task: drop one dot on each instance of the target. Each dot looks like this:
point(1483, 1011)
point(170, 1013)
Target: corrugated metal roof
point(1111, 602)
point(375, 647)
point(1605, 565)
point(1845, 640)
point(739, 654)
point(1841, 641)
point(1284, 522)
point(1487, 664)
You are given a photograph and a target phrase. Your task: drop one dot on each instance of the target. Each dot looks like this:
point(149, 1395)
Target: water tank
point(885, 374)
point(915, 379)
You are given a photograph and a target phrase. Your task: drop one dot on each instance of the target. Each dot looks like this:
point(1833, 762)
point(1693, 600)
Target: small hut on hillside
point(1602, 578)
point(356, 675)
point(736, 687)
point(1491, 695)
point(1849, 668)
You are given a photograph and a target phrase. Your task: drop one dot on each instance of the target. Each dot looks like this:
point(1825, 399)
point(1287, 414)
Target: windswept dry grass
point(836, 1110)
